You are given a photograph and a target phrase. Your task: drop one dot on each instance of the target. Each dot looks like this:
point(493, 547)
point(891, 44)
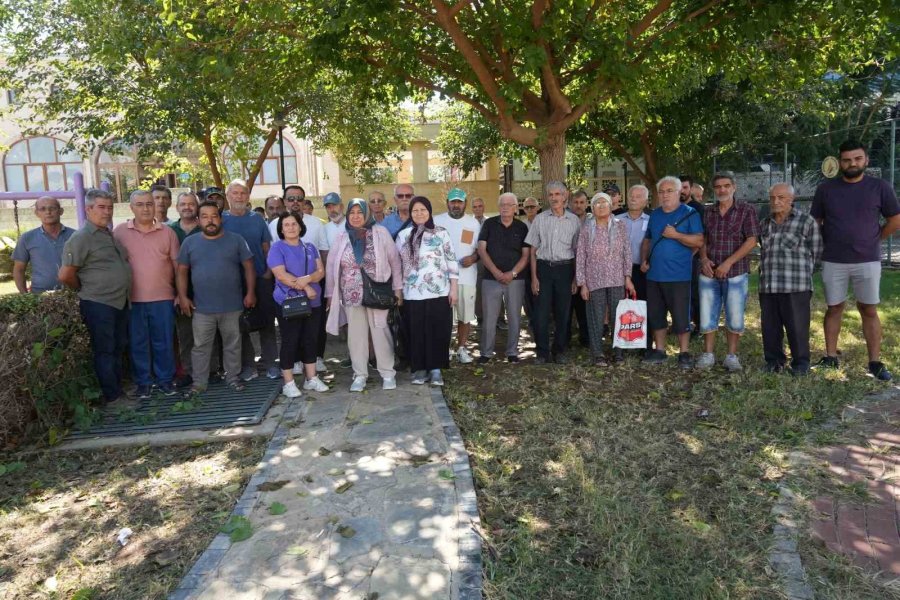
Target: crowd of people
point(181, 296)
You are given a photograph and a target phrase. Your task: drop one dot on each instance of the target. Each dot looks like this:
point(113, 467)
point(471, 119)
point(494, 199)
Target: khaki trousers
point(360, 324)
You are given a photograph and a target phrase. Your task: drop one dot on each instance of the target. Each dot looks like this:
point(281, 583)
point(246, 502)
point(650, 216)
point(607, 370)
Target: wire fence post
point(890, 248)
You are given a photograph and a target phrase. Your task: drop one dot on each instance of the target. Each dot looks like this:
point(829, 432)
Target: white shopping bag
point(631, 324)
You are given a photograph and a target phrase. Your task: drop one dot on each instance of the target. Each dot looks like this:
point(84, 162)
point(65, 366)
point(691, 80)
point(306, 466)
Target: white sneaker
point(358, 385)
point(290, 390)
point(298, 368)
point(436, 377)
point(706, 360)
point(390, 383)
point(315, 385)
point(419, 377)
point(320, 365)
point(733, 363)
point(463, 355)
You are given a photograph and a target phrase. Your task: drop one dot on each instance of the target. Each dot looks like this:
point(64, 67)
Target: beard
point(212, 229)
point(853, 172)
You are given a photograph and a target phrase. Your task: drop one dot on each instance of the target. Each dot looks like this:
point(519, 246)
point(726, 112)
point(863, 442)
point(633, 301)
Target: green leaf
point(277, 508)
point(37, 350)
point(446, 474)
point(85, 594)
point(297, 551)
point(346, 531)
point(238, 528)
point(344, 487)
point(56, 332)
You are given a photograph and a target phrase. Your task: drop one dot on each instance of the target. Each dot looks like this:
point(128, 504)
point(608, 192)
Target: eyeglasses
point(529, 207)
point(48, 209)
point(403, 195)
point(376, 201)
point(294, 199)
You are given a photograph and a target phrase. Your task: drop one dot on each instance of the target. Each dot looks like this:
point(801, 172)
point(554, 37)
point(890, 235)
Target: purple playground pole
point(79, 198)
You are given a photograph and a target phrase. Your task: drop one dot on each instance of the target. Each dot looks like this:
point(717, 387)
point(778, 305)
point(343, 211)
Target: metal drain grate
point(219, 407)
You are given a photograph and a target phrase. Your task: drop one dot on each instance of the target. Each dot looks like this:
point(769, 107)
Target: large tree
point(127, 70)
point(536, 69)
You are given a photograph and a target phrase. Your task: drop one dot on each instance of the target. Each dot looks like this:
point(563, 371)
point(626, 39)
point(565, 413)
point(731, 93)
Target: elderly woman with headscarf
point(430, 274)
point(363, 246)
point(602, 270)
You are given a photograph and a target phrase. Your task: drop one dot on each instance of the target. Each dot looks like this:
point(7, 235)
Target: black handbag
point(253, 319)
point(377, 294)
point(296, 307)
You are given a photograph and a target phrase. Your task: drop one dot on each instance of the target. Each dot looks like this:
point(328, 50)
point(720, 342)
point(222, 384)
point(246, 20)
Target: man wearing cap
point(394, 222)
point(334, 206)
point(213, 194)
point(249, 225)
point(295, 201)
point(553, 238)
point(463, 230)
point(42, 247)
point(615, 197)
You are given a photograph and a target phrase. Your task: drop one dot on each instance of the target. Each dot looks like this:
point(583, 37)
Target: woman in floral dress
point(364, 245)
point(430, 273)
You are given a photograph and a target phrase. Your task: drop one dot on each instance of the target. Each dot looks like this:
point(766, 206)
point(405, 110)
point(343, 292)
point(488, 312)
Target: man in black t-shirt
point(504, 253)
point(686, 197)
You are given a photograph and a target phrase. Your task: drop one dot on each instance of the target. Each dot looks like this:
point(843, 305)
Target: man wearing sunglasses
point(377, 204)
point(531, 208)
point(394, 222)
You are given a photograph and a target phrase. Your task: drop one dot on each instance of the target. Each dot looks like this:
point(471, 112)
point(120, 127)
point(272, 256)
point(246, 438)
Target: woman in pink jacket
point(602, 270)
point(363, 246)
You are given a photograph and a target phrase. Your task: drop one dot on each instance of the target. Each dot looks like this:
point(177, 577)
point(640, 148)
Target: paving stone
point(368, 534)
point(410, 579)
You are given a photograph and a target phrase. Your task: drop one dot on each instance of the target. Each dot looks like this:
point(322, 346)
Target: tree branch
point(625, 154)
point(654, 13)
point(257, 166)
point(454, 10)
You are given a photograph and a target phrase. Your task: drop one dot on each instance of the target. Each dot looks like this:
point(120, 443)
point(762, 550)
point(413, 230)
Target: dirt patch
point(61, 514)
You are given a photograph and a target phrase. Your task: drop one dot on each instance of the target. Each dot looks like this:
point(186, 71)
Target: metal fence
point(801, 164)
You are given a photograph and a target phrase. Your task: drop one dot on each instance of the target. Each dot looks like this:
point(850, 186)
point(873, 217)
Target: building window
point(120, 168)
point(241, 157)
point(41, 164)
point(11, 98)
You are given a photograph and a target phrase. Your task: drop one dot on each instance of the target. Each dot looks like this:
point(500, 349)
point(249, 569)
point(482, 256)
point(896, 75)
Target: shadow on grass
point(605, 483)
point(61, 514)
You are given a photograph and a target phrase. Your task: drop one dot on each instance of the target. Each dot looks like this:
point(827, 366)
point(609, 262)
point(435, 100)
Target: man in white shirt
point(463, 230)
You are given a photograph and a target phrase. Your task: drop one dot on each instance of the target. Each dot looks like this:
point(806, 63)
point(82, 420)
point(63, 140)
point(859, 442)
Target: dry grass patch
point(61, 512)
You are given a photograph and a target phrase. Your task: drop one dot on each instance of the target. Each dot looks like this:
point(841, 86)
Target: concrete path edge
point(468, 521)
point(218, 547)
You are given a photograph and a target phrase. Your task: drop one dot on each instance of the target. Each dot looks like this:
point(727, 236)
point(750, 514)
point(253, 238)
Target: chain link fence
point(801, 163)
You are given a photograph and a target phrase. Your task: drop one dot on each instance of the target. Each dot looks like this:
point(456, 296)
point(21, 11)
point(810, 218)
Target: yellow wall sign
point(830, 167)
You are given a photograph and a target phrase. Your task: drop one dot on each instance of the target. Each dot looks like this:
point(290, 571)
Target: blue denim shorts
point(732, 293)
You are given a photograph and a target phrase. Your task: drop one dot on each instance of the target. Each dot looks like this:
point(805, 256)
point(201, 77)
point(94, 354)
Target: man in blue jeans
point(95, 265)
point(731, 229)
point(152, 253)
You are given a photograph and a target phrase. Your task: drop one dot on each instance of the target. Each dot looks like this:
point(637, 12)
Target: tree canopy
point(129, 71)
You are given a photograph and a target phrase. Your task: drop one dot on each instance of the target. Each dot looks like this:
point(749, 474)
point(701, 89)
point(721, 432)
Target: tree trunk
point(648, 148)
point(552, 157)
point(212, 158)
point(257, 166)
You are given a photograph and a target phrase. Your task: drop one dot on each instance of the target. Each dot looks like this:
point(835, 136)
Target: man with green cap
point(463, 230)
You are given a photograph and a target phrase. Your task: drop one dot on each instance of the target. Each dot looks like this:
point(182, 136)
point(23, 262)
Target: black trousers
point(579, 311)
point(639, 280)
point(320, 338)
point(790, 314)
point(554, 298)
point(298, 338)
point(429, 325)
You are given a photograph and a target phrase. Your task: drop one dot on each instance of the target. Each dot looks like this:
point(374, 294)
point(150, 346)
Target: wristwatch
point(514, 274)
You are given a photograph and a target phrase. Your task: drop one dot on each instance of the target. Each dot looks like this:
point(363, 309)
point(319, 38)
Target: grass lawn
point(60, 513)
point(605, 483)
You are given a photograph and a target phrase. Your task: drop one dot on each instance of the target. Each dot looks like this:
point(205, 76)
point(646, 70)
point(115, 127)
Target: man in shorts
point(464, 231)
point(674, 233)
point(849, 209)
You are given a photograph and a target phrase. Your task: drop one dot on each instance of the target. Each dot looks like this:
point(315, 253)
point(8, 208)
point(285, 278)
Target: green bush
point(46, 377)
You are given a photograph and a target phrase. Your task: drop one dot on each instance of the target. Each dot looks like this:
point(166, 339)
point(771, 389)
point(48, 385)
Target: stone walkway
point(377, 500)
point(868, 529)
